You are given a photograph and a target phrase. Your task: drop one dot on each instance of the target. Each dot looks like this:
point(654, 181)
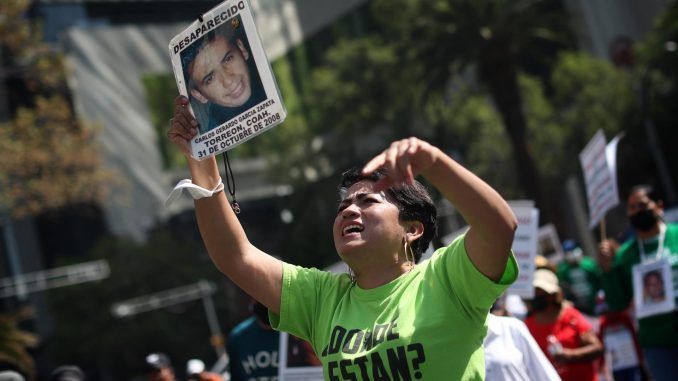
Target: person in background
point(541, 262)
point(67, 373)
point(654, 242)
point(250, 340)
point(511, 354)
point(623, 357)
point(579, 277)
point(10, 375)
point(561, 331)
point(195, 371)
point(159, 368)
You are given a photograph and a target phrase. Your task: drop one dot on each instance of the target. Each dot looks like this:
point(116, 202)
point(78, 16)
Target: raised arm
point(257, 273)
point(491, 221)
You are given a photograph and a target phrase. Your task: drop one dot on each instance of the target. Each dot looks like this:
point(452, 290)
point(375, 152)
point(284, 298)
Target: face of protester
point(164, 374)
point(542, 300)
point(643, 212)
point(220, 73)
point(367, 222)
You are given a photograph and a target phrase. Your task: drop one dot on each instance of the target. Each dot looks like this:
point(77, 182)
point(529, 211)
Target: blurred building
point(598, 24)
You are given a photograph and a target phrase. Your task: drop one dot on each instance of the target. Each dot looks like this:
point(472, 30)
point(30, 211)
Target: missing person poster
point(653, 291)
point(220, 65)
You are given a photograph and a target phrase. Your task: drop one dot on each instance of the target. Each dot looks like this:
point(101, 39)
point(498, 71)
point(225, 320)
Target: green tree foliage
point(657, 82)
point(48, 158)
point(15, 342)
point(589, 94)
point(438, 38)
point(161, 89)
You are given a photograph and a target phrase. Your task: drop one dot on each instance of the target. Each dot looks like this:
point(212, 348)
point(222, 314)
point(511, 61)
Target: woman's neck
point(381, 274)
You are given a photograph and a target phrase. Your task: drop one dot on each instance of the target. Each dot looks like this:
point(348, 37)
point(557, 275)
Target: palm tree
point(441, 37)
point(14, 342)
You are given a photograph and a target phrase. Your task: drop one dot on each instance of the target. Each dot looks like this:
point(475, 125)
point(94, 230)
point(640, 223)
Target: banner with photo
point(220, 65)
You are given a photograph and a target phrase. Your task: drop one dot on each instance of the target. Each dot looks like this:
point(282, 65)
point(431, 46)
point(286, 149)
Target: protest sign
point(525, 248)
point(600, 178)
point(549, 244)
point(297, 360)
point(220, 65)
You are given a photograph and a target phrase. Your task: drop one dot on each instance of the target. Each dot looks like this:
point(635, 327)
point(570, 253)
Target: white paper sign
point(601, 185)
point(525, 249)
point(297, 360)
point(620, 348)
point(549, 244)
point(220, 65)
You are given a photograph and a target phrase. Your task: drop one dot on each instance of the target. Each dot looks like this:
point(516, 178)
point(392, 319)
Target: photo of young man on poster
point(221, 75)
point(653, 287)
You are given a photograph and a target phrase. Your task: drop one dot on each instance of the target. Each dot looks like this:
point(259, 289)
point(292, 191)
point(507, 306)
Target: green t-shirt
point(581, 283)
point(428, 324)
point(658, 330)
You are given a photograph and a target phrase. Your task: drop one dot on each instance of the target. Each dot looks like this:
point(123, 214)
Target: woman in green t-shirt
point(377, 322)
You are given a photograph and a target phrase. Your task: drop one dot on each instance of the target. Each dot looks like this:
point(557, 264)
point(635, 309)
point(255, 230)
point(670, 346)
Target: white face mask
point(574, 255)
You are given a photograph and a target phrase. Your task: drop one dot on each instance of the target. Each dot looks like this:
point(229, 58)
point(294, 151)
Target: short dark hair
point(413, 201)
point(653, 273)
point(651, 192)
point(228, 30)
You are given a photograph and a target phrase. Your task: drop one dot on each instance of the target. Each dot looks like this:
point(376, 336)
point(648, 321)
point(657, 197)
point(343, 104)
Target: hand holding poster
point(220, 65)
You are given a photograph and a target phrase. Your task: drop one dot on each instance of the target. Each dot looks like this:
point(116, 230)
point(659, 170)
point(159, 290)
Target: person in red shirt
point(562, 332)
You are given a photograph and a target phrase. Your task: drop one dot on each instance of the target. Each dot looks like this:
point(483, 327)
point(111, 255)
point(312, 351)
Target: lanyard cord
point(660, 244)
point(230, 182)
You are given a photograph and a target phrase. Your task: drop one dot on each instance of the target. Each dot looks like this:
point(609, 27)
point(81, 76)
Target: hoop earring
point(409, 254)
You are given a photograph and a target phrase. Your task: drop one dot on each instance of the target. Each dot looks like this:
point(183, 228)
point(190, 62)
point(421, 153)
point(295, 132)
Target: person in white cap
point(561, 331)
point(159, 367)
point(195, 370)
point(10, 375)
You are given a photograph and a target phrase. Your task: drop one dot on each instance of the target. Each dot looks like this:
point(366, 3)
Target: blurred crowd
point(608, 315)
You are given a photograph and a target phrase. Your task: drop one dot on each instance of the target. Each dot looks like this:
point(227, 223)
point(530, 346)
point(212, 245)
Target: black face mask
point(540, 303)
point(643, 220)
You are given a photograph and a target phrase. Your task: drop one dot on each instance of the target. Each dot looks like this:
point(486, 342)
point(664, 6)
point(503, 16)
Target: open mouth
point(353, 228)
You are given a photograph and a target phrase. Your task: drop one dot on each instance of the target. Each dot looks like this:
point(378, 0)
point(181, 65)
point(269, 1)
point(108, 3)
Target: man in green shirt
point(655, 242)
point(579, 277)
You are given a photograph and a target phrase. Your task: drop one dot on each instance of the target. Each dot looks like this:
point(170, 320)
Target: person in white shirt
point(511, 354)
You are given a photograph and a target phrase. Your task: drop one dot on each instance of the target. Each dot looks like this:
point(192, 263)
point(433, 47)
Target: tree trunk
point(498, 72)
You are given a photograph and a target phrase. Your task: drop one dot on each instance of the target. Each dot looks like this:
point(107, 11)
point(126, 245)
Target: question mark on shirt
point(417, 361)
